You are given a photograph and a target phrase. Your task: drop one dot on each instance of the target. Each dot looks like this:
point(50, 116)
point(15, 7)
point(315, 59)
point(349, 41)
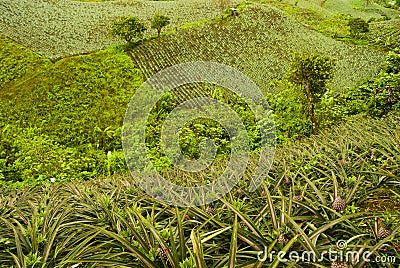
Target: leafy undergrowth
point(263, 34)
point(109, 222)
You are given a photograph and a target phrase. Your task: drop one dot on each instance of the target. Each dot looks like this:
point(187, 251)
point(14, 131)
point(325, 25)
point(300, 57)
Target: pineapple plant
point(339, 204)
point(385, 226)
point(298, 194)
point(383, 232)
point(211, 210)
point(298, 197)
point(288, 180)
point(282, 239)
point(335, 264)
point(161, 254)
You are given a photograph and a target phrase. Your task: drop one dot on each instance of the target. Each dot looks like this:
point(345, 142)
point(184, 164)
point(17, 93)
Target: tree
point(128, 28)
point(312, 72)
point(159, 21)
point(357, 26)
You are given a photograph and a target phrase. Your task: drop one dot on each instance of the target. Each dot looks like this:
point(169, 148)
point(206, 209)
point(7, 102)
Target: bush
point(358, 26)
point(290, 114)
point(30, 156)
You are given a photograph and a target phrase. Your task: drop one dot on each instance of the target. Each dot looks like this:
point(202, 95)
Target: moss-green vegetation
point(384, 33)
point(16, 61)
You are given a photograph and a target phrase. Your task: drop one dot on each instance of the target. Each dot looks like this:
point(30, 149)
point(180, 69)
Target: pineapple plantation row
point(57, 29)
point(340, 185)
point(263, 34)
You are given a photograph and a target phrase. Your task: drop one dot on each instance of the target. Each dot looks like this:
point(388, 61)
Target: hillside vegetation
point(355, 8)
point(62, 119)
point(67, 199)
point(109, 222)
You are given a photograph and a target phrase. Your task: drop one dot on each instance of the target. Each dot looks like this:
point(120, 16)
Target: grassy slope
point(16, 61)
point(67, 99)
point(355, 8)
point(260, 43)
point(59, 120)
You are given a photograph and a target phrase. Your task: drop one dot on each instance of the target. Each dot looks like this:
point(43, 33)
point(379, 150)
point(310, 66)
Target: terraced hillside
point(261, 43)
point(63, 27)
point(355, 8)
point(385, 33)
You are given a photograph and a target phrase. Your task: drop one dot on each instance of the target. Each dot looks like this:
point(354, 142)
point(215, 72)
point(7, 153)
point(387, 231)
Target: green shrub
point(290, 114)
point(128, 28)
point(335, 26)
point(358, 26)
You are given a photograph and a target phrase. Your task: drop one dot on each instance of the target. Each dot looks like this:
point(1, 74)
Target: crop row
point(61, 28)
point(259, 43)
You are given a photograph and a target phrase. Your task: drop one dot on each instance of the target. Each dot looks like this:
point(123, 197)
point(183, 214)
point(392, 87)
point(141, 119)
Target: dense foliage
point(312, 73)
point(128, 28)
point(159, 21)
point(375, 97)
point(357, 26)
point(61, 120)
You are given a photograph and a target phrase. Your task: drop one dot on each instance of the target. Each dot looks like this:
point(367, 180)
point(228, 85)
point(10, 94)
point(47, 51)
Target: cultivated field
point(266, 36)
point(62, 27)
point(67, 199)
